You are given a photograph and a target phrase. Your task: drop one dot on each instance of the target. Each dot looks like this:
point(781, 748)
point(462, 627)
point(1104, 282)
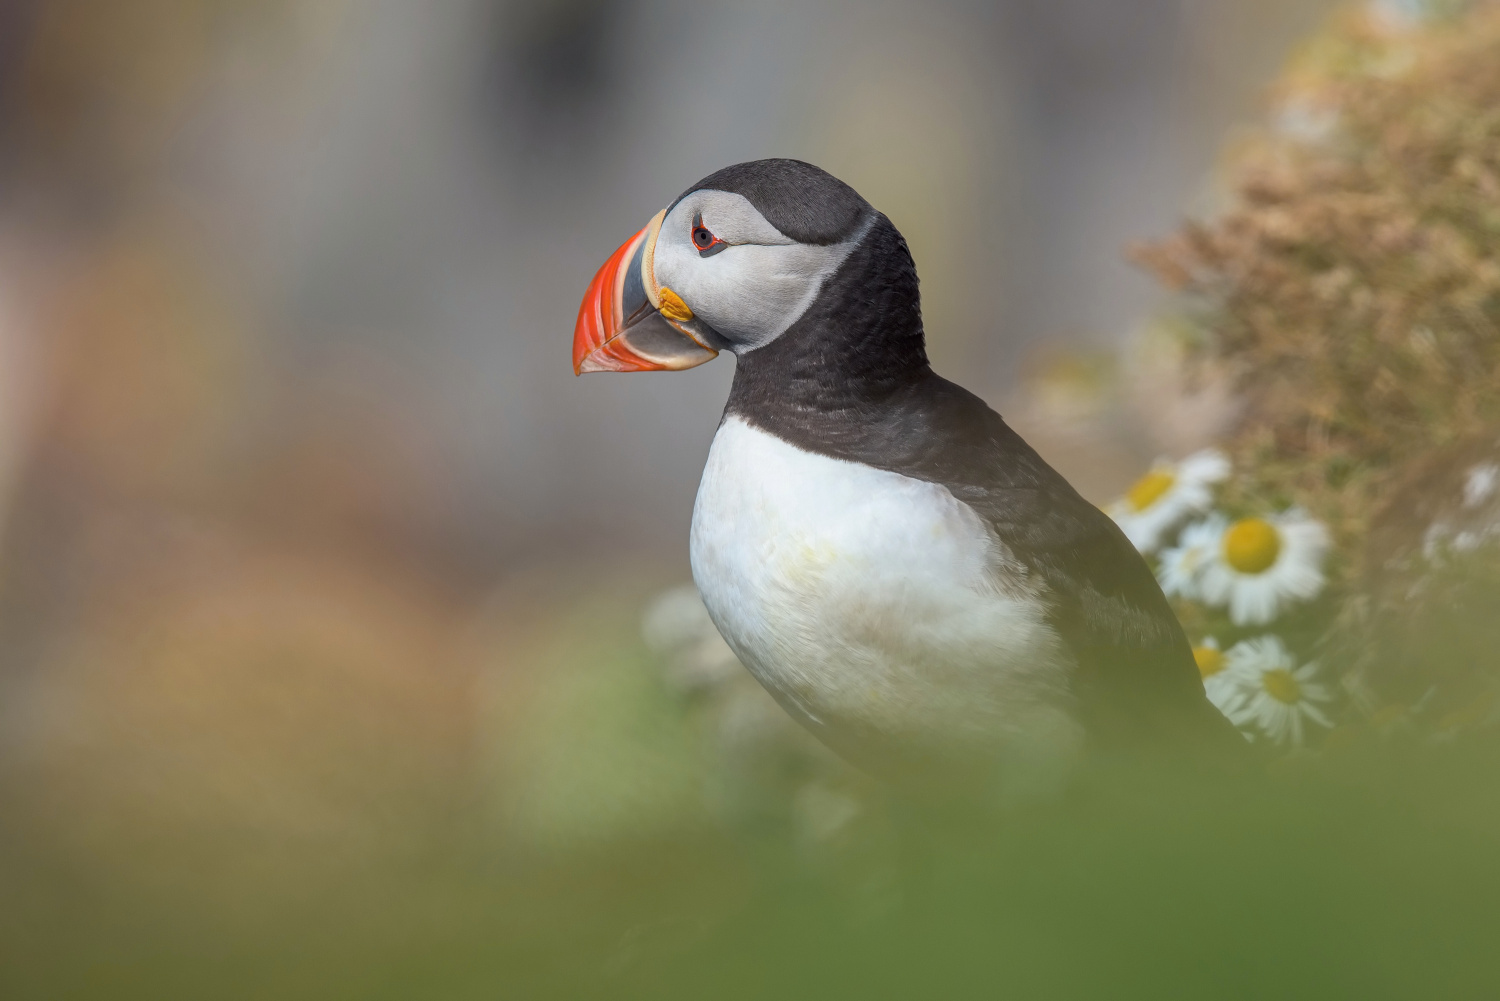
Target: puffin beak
point(621, 326)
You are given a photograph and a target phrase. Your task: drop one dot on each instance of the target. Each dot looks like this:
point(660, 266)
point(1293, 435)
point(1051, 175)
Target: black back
point(850, 379)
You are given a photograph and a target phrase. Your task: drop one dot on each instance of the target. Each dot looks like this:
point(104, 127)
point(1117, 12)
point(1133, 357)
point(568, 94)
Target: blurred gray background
point(407, 200)
point(469, 165)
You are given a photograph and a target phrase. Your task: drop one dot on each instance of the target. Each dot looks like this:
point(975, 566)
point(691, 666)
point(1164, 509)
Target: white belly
point(872, 602)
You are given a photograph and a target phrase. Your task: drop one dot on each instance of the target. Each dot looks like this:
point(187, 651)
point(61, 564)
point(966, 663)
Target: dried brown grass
point(1352, 289)
point(1353, 285)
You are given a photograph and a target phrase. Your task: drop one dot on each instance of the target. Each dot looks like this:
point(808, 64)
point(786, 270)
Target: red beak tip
point(594, 345)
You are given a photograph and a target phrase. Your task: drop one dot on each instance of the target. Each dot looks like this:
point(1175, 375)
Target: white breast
point(872, 600)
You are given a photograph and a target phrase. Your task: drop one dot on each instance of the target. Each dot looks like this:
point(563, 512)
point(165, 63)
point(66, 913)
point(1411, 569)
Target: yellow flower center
point(1251, 545)
point(1149, 488)
point(1281, 686)
point(1210, 661)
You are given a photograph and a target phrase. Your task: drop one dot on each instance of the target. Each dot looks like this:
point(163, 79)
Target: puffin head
point(729, 266)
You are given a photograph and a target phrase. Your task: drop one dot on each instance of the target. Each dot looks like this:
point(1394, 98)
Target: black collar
point(842, 364)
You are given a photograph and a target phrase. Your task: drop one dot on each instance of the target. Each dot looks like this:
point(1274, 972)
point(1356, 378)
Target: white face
point(757, 283)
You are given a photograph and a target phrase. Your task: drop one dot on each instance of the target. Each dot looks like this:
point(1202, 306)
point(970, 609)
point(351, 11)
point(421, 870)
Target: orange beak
point(620, 325)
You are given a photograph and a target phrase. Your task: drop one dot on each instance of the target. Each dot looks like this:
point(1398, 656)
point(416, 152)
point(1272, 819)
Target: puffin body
point(876, 607)
point(902, 572)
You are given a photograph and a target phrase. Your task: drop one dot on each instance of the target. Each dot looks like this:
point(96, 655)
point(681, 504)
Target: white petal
point(1315, 714)
point(1216, 584)
point(1252, 601)
point(1208, 466)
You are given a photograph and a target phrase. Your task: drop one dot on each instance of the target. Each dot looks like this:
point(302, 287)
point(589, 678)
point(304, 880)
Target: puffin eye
point(704, 240)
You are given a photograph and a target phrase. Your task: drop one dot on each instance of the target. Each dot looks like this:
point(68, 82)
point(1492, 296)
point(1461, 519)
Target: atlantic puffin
point(900, 570)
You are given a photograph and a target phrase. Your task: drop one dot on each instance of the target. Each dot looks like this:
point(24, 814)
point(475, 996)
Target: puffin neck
point(856, 349)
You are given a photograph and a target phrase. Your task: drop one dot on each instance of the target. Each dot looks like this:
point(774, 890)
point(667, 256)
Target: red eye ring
point(703, 240)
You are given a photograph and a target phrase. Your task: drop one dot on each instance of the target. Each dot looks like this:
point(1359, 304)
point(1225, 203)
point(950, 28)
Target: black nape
point(859, 342)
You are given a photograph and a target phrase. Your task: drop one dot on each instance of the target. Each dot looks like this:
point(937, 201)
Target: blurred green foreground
point(340, 861)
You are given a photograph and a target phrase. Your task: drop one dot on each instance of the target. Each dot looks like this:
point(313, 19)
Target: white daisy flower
point(1218, 679)
point(1480, 483)
point(1165, 496)
point(1182, 565)
point(1262, 564)
point(1274, 695)
point(676, 628)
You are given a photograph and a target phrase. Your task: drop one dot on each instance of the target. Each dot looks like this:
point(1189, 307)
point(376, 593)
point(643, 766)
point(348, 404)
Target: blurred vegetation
point(266, 732)
point(1349, 291)
point(1354, 284)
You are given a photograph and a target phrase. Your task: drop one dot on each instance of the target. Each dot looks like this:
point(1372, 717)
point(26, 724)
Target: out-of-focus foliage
point(1351, 290)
